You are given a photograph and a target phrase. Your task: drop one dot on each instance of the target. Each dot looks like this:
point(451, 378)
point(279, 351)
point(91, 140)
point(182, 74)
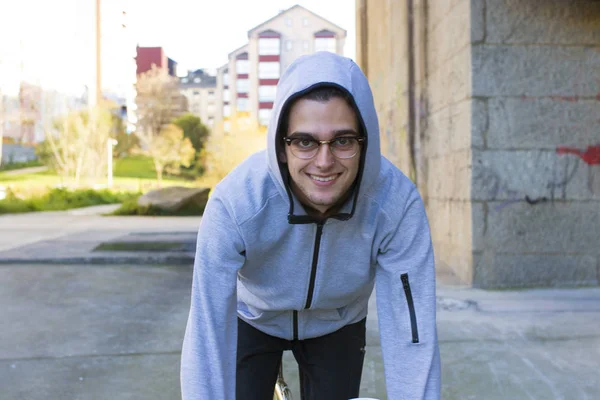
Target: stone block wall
point(536, 208)
point(507, 154)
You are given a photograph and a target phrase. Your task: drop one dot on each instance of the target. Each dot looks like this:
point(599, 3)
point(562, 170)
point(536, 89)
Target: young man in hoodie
point(292, 243)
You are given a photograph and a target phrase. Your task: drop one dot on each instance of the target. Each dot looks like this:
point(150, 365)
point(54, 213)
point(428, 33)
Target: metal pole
point(98, 54)
point(109, 159)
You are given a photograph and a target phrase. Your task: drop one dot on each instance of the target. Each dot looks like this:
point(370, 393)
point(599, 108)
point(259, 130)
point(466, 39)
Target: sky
point(51, 43)
point(201, 33)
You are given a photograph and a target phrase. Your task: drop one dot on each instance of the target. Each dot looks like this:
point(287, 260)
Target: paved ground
point(114, 331)
point(31, 170)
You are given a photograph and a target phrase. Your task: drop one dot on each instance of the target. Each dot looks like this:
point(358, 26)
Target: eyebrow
point(338, 133)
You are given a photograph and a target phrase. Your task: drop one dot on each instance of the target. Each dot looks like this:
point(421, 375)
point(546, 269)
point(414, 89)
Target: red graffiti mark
point(570, 99)
point(590, 156)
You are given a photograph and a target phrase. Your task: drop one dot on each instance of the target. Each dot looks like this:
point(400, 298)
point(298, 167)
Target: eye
point(342, 141)
point(304, 143)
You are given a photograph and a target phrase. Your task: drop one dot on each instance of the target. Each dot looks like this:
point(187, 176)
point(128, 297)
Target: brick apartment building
point(248, 81)
point(146, 56)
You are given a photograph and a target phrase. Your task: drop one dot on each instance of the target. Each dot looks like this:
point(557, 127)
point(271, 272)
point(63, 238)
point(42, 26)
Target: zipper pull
point(404, 278)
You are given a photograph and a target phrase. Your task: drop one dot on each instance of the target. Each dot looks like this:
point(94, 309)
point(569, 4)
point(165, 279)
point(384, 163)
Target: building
point(491, 107)
point(223, 98)
point(148, 56)
point(200, 90)
point(248, 82)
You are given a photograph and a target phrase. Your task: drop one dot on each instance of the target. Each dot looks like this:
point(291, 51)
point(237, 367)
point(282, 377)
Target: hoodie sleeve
point(406, 307)
point(208, 358)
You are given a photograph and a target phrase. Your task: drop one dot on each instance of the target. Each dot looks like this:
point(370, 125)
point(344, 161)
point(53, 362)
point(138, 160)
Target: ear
point(282, 157)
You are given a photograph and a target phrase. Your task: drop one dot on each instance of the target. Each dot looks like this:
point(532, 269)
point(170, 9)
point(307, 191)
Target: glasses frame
point(360, 139)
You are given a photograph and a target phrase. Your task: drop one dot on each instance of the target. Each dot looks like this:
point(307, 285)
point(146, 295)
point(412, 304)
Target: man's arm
point(405, 285)
point(208, 358)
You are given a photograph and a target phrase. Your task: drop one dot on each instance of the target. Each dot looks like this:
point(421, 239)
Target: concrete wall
point(501, 88)
point(536, 76)
point(440, 160)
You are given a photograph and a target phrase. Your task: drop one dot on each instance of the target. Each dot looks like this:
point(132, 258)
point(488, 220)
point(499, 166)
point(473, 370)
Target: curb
point(178, 260)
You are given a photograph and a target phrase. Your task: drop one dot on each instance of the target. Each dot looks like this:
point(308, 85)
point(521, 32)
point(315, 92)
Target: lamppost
point(109, 154)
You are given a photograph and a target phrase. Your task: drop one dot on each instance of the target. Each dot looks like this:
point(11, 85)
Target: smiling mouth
point(323, 178)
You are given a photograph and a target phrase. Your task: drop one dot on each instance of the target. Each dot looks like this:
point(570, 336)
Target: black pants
point(330, 366)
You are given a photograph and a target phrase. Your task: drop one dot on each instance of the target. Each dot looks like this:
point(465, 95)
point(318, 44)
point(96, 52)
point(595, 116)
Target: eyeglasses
point(341, 147)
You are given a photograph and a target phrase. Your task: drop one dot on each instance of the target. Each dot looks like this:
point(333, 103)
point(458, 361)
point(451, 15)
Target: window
point(264, 115)
point(242, 85)
point(325, 44)
point(211, 94)
point(305, 21)
point(226, 126)
point(269, 46)
point(267, 93)
point(305, 45)
point(226, 111)
point(268, 70)
point(226, 79)
point(184, 80)
point(210, 109)
point(196, 93)
point(197, 80)
point(288, 21)
point(288, 45)
point(242, 66)
point(242, 104)
point(211, 121)
point(226, 95)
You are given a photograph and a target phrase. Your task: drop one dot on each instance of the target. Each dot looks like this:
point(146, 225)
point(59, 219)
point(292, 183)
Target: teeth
point(322, 179)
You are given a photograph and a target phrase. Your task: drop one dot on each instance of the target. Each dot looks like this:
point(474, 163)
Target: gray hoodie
point(255, 258)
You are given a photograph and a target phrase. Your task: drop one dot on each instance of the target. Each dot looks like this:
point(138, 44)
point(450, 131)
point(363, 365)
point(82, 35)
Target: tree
point(76, 146)
point(170, 150)
point(158, 102)
point(193, 129)
point(224, 151)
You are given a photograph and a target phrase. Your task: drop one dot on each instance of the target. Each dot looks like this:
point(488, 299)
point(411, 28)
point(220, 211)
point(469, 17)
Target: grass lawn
point(132, 174)
point(139, 167)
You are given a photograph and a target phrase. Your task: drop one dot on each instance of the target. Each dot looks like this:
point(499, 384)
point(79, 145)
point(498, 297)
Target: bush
point(127, 143)
point(62, 199)
point(20, 165)
point(131, 207)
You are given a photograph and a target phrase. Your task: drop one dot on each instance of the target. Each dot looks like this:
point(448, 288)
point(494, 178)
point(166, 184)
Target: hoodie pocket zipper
point(411, 308)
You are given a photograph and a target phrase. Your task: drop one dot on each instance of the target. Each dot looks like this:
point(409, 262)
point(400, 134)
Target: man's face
point(322, 181)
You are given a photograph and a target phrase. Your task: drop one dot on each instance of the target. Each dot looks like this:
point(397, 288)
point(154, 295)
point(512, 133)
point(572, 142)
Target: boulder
point(174, 198)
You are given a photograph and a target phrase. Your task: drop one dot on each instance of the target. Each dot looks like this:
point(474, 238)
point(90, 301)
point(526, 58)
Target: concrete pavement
point(114, 331)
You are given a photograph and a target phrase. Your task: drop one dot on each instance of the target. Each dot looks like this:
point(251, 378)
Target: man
point(291, 244)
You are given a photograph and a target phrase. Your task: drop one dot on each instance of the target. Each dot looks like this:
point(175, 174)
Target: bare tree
point(78, 145)
point(158, 101)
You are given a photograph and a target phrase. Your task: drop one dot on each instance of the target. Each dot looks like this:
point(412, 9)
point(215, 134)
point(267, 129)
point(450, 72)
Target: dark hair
point(326, 93)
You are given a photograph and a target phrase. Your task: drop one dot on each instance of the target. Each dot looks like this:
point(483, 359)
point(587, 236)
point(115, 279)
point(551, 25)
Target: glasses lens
point(304, 148)
point(344, 147)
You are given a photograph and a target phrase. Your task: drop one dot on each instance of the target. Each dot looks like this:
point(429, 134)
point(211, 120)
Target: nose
point(324, 159)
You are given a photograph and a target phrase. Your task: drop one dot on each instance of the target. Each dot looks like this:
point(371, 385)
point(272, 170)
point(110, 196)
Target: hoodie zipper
point(411, 308)
point(313, 276)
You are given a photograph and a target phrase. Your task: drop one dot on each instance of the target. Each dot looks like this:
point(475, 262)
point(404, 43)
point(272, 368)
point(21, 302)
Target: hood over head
point(303, 75)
